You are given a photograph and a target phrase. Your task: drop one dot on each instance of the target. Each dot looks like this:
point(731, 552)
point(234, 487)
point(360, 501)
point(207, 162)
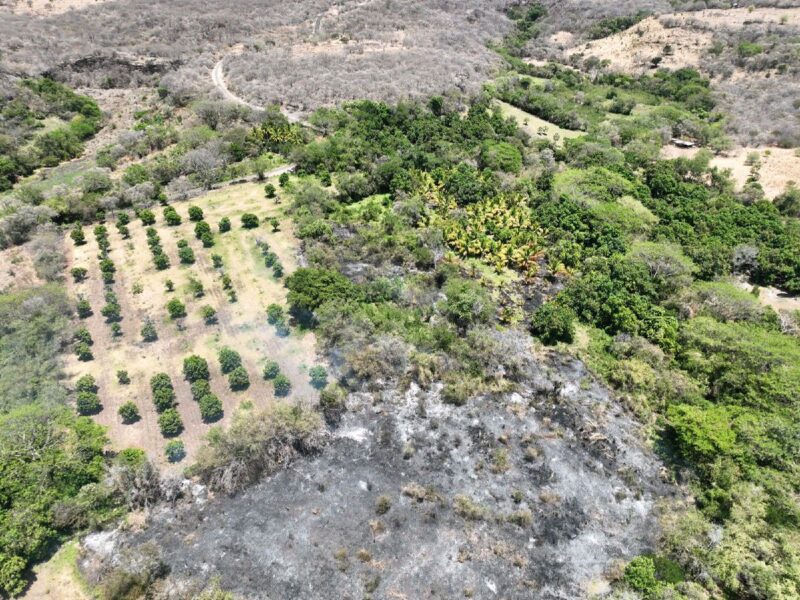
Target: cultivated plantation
point(230, 278)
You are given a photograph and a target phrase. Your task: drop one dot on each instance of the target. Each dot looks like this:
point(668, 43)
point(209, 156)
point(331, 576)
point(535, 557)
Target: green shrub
point(210, 408)
point(82, 335)
point(196, 287)
point(201, 228)
point(209, 314)
point(553, 323)
point(163, 399)
point(86, 383)
point(318, 376)
point(195, 368)
point(195, 213)
point(88, 403)
point(78, 236)
point(147, 217)
point(122, 377)
point(640, 575)
point(229, 359)
point(186, 255)
point(148, 331)
point(83, 351)
point(129, 412)
point(176, 309)
point(200, 388)
point(160, 381)
point(216, 260)
point(171, 217)
point(207, 240)
point(224, 225)
point(170, 423)
point(175, 451)
point(83, 308)
point(271, 370)
point(269, 190)
point(282, 385)
point(238, 379)
point(79, 274)
point(249, 221)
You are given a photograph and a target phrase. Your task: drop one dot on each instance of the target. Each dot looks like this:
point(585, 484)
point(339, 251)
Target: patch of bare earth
point(241, 325)
point(679, 39)
point(779, 166)
point(16, 269)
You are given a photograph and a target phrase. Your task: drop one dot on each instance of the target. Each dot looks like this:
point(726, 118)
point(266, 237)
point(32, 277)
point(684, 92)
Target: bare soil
point(241, 325)
point(16, 269)
point(779, 166)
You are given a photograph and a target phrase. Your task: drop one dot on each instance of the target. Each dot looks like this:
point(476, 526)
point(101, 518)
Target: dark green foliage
point(49, 457)
point(195, 213)
point(467, 303)
point(249, 221)
point(83, 308)
point(79, 274)
point(271, 370)
point(170, 423)
point(161, 261)
point(201, 228)
point(275, 314)
point(86, 383)
point(207, 239)
point(171, 216)
point(216, 260)
point(87, 403)
point(112, 312)
point(129, 412)
point(195, 368)
point(186, 255)
point(149, 333)
point(238, 379)
point(611, 25)
point(82, 335)
point(200, 388)
point(318, 376)
point(78, 236)
point(553, 323)
point(209, 314)
point(146, 216)
point(282, 385)
point(275, 224)
point(269, 190)
point(640, 575)
point(175, 451)
point(210, 408)
point(311, 288)
point(283, 179)
point(163, 399)
point(229, 359)
point(83, 351)
point(116, 329)
point(176, 309)
point(224, 225)
point(122, 377)
point(196, 287)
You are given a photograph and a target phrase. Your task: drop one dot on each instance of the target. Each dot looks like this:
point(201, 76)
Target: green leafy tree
point(78, 236)
point(283, 179)
point(238, 379)
point(82, 335)
point(149, 333)
point(176, 309)
point(161, 261)
point(319, 376)
point(274, 314)
point(249, 221)
point(175, 451)
point(83, 308)
point(467, 303)
point(195, 213)
point(129, 412)
point(229, 359)
point(83, 351)
point(210, 408)
point(216, 260)
point(275, 224)
point(171, 217)
point(282, 385)
point(86, 383)
point(200, 388)
point(201, 228)
point(170, 423)
point(147, 217)
point(207, 240)
point(269, 190)
point(311, 288)
point(224, 225)
point(88, 403)
point(553, 323)
point(163, 399)
point(195, 368)
point(271, 370)
point(79, 274)
point(186, 255)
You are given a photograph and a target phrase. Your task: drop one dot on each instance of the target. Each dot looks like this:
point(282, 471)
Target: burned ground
point(539, 492)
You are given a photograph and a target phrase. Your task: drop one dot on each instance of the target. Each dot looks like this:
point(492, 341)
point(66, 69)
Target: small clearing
point(779, 166)
point(58, 578)
point(534, 126)
point(241, 325)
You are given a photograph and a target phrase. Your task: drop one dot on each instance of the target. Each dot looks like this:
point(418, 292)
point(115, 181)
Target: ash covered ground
point(537, 493)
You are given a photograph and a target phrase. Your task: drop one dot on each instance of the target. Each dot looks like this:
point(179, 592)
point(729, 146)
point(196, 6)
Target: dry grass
point(17, 269)
point(42, 8)
point(534, 126)
point(241, 325)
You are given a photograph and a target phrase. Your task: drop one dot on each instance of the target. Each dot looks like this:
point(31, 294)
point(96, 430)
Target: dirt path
point(218, 79)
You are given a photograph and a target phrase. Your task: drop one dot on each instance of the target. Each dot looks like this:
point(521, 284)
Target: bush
point(196, 287)
point(207, 240)
point(116, 330)
point(224, 225)
point(195, 213)
point(201, 228)
point(83, 351)
point(274, 314)
point(282, 385)
point(122, 377)
point(112, 312)
point(210, 408)
point(269, 190)
point(229, 359)
point(319, 376)
point(176, 309)
point(149, 333)
point(175, 451)
point(271, 370)
point(160, 381)
point(171, 216)
point(163, 399)
point(200, 388)
point(249, 221)
point(84, 308)
point(216, 260)
point(86, 383)
point(82, 335)
point(640, 575)
point(78, 236)
point(195, 368)
point(467, 303)
point(553, 323)
point(147, 217)
point(128, 412)
point(209, 314)
point(238, 379)
point(170, 423)
point(88, 403)
point(283, 179)
point(186, 255)
point(275, 224)
point(332, 402)
point(79, 274)
point(161, 261)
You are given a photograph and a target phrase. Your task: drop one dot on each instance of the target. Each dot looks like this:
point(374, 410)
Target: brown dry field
point(779, 166)
point(46, 7)
point(631, 51)
point(17, 270)
point(241, 325)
